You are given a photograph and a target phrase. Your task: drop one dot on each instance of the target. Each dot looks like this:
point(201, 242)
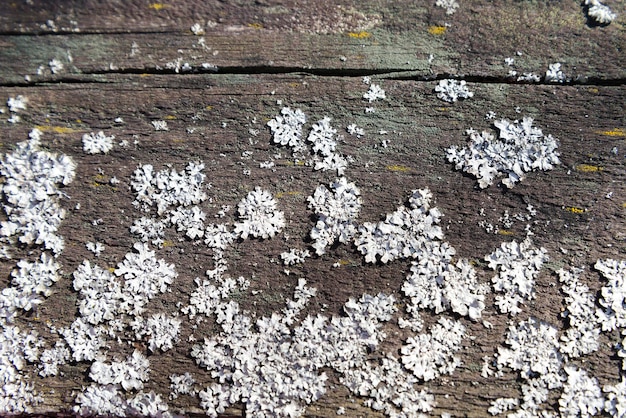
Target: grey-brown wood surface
point(126, 59)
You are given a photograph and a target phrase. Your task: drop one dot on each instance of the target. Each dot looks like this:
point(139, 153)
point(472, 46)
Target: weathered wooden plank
point(372, 37)
point(220, 120)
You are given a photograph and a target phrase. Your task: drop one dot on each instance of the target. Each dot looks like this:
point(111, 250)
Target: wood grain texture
point(310, 55)
point(368, 37)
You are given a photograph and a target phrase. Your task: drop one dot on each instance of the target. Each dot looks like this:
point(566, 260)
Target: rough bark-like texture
point(115, 60)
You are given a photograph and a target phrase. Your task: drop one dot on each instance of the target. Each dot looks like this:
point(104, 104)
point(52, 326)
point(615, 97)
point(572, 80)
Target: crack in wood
point(382, 74)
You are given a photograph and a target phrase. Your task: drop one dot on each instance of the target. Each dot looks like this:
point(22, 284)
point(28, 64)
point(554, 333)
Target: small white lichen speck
point(599, 12)
point(374, 93)
point(521, 148)
point(449, 5)
point(554, 73)
point(160, 125)
point(453, 90)
point(17, 103)
point(96, 143)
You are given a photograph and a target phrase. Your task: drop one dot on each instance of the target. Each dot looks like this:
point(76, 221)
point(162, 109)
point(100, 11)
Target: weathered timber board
point(311, 55)
point(315, 36)
point(221, 110)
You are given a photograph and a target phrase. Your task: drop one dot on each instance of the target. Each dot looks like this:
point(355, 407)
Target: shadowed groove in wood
point(383, 74)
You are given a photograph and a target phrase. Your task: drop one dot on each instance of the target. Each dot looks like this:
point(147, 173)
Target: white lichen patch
point(129, 374)
point(389, 388)
point(56, 66)
point(167, 188)
point(32, 178)
point(429, 356)
point(582, 396)
point(615, 403)
point(403, 233)
point(17, 349)
point(31, 191)
point(189, 220)
point(182, 384)
point(84, 339)
point(323, 139)
point(29, 281)
point(501, 405)
point(336, 209)
point(145, 276)
point(294, 256)
point(17, 103)
point(273, 369)
point(51, 358)
point(287, 131)
point(520, 148)
point(161, 125)
point(287, 128)
point(278, 363)
point(613, 297)
point(197, 29)
point(149, 230)
point(100, 400)
point(162, 331)
point(436, 283)
point(581, 337)
point(259, 216)
point(533, 350)
point(100, 293)
point(95, 247)
point(517, 265)
point(453, 90)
